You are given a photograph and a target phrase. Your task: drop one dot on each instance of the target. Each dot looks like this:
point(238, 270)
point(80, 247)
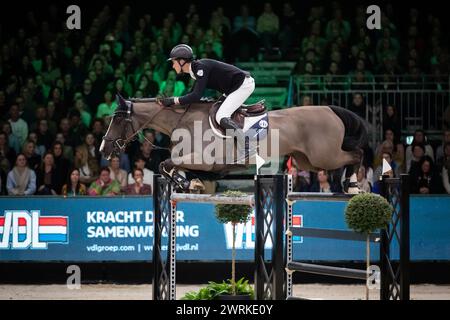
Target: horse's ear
point(120, 101)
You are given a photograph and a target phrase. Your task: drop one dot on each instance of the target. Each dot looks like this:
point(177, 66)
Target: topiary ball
point(367, 212)
point(234, 213)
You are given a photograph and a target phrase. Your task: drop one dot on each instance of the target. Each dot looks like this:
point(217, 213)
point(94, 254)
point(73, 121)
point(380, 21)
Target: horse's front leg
point(168, 169)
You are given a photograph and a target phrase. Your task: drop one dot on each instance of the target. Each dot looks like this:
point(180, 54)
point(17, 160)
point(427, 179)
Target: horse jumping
point(317, 137)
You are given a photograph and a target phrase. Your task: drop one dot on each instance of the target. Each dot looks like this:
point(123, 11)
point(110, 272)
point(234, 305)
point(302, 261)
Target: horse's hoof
point(196, 186)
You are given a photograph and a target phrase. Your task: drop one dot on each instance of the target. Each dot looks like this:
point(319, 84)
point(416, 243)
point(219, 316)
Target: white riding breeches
point(235, 99)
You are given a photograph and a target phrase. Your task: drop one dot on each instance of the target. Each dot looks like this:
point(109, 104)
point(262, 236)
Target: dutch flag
point(51, 229)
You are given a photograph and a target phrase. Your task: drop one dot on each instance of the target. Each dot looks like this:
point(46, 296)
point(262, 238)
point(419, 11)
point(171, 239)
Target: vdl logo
point(22, 229)
point(245, 233)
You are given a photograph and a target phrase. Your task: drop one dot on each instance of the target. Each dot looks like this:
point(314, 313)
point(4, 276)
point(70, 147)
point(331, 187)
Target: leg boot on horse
point(170, 172)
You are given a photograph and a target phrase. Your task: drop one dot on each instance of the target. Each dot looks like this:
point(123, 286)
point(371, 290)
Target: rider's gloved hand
point(166, 101)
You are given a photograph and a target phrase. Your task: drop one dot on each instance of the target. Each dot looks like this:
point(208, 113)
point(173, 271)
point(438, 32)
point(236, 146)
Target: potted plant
point(365, 213)
point(222, 291)
point(234, 214)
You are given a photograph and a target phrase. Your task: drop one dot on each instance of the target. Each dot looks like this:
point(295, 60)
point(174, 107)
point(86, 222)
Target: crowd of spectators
point(58, 87)
point(427, 166)
point(349, 55)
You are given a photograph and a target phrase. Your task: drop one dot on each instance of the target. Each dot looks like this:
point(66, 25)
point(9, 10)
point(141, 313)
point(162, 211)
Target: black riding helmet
point(181, 51)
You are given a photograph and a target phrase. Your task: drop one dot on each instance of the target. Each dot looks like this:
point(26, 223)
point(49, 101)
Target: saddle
point(244, 111)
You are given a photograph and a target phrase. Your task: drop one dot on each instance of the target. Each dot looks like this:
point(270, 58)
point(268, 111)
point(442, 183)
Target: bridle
point(121, 143)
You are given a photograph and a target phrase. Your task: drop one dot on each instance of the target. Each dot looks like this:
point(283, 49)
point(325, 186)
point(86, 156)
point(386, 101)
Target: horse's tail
point(356, 129)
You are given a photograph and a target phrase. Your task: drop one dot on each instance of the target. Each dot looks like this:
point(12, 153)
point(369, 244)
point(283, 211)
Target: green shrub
point(214, 289)
point(367, 212)
point(234, 213)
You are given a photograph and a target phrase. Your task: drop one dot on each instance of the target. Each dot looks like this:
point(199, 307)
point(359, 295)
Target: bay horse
point(317, 137)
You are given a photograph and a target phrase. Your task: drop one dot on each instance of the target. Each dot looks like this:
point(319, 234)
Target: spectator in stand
point(446, 119)
point(446, 168)
point(179, 86)
point(61, 108)
point(64, 130)
point(338, 27)
point(42, 114)
point(3, 180)
point(3, 106)
point(138, 187)
point(48, 179)
point(139, 163)
point(289, 26)
point(50, 72)
point(244, 39)
point(77, 129)
point(7, 154)
point(44, 137)
point(121, 87)
point(387, 46)
point(378, 172)
point(62, 164)
point(116, 173)
point(426, 180)
point(85, 116)
point(143, 85)
point(18, 125)
point(361, 71)
point(358, 105)
point(77, 71)
point(301, 178)
point(440, 155)
point(418, 152)
point(33, 159)
point(74, 187)
point(21, 179)
point(67, 150)
point(69, 89)
point(398, 150)
point(104, 185)
point(363, 184)
point(39, 148)
point(90, 97)
point(419, 138)
point(108, 107)
point(332, 80)
point(377, 183)
point(322, 184)
point(392, 122)
point(13, 141)
point(88, 167)
point(98, 130)
point(268, 26)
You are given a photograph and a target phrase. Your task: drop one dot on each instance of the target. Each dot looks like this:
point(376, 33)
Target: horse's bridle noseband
point(122, 142)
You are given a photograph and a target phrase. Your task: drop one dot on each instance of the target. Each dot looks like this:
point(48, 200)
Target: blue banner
point(97, 229)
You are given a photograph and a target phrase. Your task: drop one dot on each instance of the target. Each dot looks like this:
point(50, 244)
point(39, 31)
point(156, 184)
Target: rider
point(235, 84)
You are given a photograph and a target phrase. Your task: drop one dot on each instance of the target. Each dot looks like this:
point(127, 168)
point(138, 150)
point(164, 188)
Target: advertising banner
point(121, 229)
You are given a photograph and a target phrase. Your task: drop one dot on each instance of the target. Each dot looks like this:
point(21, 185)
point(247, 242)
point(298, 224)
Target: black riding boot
point(228, 123)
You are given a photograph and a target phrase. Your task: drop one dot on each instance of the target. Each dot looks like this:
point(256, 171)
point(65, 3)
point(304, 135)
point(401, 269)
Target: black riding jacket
point(213, 74)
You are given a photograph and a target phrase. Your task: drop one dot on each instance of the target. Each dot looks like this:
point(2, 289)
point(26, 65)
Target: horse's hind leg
point(352, 169)
point(303, 162)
